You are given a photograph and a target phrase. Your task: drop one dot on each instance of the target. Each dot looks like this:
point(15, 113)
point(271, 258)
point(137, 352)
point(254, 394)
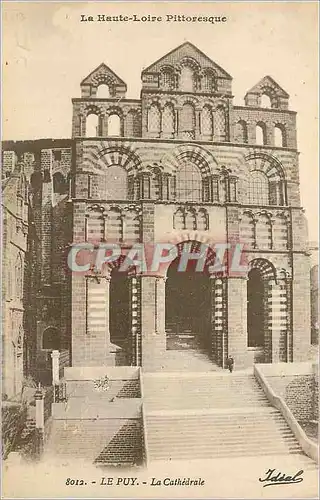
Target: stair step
point(216, 442)
point(228, 453)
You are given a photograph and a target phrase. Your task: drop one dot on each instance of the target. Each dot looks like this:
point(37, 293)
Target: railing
point(144, 422)
point(308, 446)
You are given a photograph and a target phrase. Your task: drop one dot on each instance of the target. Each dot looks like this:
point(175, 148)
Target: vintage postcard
point(160, 250)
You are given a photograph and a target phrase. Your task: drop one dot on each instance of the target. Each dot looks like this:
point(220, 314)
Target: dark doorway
point(119, 314)
point(188, 306)
point(256, 309)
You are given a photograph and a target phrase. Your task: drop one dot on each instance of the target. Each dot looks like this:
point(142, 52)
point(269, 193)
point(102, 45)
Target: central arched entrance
point(188, 305)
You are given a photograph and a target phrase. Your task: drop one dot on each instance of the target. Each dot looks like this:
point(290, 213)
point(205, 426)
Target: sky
point(47, 51)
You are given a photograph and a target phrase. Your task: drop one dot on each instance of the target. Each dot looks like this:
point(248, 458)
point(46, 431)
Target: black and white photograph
point(160, 250)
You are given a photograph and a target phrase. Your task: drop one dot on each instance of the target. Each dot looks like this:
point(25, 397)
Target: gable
point(186, 50)
point(268, 83)
point(103, 74)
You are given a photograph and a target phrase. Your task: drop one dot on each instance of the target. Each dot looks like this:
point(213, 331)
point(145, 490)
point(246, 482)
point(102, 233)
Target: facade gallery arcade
point(182, 164)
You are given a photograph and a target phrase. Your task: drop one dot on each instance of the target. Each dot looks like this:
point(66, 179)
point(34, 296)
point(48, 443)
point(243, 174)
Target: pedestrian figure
point(230, 363)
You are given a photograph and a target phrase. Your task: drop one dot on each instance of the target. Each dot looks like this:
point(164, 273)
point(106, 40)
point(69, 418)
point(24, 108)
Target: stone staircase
point(211, 415)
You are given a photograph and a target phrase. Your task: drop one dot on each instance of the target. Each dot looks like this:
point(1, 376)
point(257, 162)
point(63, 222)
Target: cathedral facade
point(181, 165)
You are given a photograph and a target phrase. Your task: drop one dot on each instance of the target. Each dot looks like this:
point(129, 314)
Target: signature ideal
point(273, 478)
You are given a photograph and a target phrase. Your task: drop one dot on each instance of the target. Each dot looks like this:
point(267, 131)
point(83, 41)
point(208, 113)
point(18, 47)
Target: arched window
point(95, 226)
point(206, 123)
point(92, 125)
point(258, 192)
point(60, 186)
point(51, 339)
point(186, 79)
point(189, 183)
point(279, 136)
point(207, 82)
point(241, 132)
point(265, 101)
point(191, 223)
point(168, 120)
point(261, 134)
point(202, 220)
point(167, 80)
point(220, 124)
point(133, 124)
point(187, 121)
point(116, 183)
point(154, 119)
point(178, 219)
point(103, 91)
point(114, 125)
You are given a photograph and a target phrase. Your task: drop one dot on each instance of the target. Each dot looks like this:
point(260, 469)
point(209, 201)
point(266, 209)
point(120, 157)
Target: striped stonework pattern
point(135, 300)
point(248, 230)
point(97, 158)
point(281, 310)
point(288, 284)
point(268, 297)
point(95, 224)
point(263, 231)
point(218, 320)
point(132, 226)
point(277, 314)
point(97, 306)
point(280, 232)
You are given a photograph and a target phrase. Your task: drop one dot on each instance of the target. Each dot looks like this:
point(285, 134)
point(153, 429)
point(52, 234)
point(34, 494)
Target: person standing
point(230, 364)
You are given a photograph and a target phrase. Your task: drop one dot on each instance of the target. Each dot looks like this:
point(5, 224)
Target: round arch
point(202, 158)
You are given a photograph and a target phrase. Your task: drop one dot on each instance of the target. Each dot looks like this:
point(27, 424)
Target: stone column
point(97, 347)
point(277, 320)
point(55, 355)
point(237, 320)
point(153, 337)
point(90, 321)
point(218, 320)
point(135, 301)
point(39, 397)
point(198, 124)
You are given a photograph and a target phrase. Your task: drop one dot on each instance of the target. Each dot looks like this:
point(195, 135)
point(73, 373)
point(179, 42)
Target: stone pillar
point(278, 320)
point(153, 336)
point(135, 301)
point(55, 356)
point(97, 321)
point(198, 124)
point(237, 320)
point(39, 397)
point(218, 320)
point(90, 321)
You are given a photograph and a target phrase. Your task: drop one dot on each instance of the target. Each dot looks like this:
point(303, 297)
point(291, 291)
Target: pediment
point(103, 74)
point(185, 51)
point(266, 85)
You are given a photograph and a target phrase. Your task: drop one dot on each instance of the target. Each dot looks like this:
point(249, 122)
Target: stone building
point(182, 164)
point(314, 279)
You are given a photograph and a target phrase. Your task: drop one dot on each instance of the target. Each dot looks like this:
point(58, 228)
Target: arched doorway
point(188, 304)
point(119, 311)
point(261, 302)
